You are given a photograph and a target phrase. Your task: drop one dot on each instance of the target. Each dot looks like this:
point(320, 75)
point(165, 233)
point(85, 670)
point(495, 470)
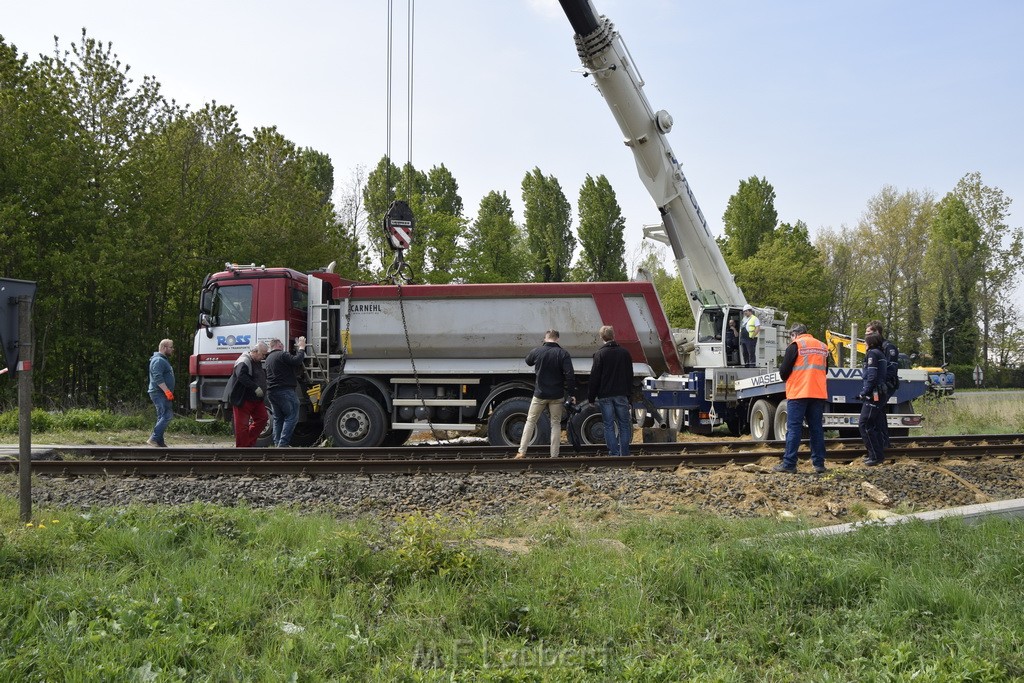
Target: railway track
point(71, 461)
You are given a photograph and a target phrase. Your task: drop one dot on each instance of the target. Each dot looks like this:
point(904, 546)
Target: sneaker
point(782, 468)
point(873, 463)
point(152, 442)
point(820, 469)
point(519, 456)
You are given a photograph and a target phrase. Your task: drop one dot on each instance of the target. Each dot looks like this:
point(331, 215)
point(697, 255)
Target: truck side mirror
point(207, 321)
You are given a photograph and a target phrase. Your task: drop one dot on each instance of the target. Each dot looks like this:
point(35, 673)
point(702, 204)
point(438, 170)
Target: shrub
point(42, 421)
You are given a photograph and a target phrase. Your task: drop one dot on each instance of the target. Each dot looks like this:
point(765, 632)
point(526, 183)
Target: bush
point(42, 421)
point(89, 420)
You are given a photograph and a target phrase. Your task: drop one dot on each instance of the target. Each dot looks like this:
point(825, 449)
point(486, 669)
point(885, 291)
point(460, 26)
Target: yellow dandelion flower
point(29, 524)
point(42, 526)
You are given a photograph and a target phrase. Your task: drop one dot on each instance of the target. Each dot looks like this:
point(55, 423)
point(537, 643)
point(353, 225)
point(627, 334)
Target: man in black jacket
point(245, 391)
point(611, 385)
point(555, 377)
point(282, 384)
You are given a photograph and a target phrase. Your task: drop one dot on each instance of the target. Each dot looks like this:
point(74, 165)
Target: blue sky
point(829, 101)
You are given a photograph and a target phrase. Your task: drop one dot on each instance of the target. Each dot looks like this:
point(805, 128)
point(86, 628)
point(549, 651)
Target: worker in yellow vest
point(804, 371)
point(750, 330)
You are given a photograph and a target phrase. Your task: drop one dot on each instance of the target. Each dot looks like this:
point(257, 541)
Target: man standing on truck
point(750, 328)
point(611, 384)
point(555, 377)
point(281, 386)
point(804, 371)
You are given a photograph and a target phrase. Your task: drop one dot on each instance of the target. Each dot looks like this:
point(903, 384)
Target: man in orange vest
point(803, 370)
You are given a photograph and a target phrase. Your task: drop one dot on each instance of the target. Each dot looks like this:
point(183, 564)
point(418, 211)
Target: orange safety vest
point(808, 377)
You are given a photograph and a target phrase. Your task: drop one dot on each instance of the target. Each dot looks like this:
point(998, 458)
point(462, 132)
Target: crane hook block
point(398, 225)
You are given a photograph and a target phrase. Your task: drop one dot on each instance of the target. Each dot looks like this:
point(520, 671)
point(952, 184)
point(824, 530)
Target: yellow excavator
point(841, 347)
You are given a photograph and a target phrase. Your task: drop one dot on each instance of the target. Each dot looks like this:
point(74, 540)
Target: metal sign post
point(25, 407)
point(16, 340)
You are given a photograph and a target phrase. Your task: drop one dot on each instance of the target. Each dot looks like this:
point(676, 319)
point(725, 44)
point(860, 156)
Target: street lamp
point(943, 363)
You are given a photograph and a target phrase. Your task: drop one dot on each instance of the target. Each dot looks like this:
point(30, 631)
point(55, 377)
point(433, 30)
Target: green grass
point(203, 593)
point(972, 412)
point(84, 421)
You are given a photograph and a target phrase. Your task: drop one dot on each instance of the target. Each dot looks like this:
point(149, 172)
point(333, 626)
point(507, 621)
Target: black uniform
point(892, 378)
point(872, 412)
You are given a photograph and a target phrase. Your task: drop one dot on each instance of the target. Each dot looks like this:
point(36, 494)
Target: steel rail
point(670, 456)
point(479, 452)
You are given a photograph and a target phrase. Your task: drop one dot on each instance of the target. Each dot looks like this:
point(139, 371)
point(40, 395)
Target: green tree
point(940, 326)
point(548, 226)
point(495, 245)
point(750, 217)
point(786, 272)
point(285, 202)
point(447, 226)
point(953, 248)
point(847, 290)
point(380, 190)
point(602, 244)
point(894, 226)
point(668, 285)
point(1001, 251)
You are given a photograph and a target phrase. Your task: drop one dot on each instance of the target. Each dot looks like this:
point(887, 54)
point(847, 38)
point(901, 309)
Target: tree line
point(118, 201)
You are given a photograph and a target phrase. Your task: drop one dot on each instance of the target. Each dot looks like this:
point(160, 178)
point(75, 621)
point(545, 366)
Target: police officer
point(892, 368)
point(872, 397)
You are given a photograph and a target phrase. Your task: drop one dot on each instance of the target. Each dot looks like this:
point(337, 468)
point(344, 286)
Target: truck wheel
point(307, 434)
point(761, 416)
point(590, 426)
point(734, 424)
point(266, 437)
point(505, 427)
point(355, 420)
point(781, 421)
point(396, 437)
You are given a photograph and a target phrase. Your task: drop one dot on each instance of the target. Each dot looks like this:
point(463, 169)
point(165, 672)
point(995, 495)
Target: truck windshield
point(232, 305)
point(710, 327)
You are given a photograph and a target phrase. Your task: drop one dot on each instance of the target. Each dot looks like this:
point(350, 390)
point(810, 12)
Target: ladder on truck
point(318, 332)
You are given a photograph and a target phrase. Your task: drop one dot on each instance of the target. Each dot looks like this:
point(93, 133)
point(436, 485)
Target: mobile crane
point(715, 389)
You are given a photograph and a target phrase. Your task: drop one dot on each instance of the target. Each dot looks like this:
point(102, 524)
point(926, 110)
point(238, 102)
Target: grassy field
point(210, 594)
point(205, 593)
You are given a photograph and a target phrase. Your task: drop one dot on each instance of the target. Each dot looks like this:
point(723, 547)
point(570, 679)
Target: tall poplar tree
point(495, 246)
point(1001, 251)
point(602, 245)
point(750, 217)
point(548, 227)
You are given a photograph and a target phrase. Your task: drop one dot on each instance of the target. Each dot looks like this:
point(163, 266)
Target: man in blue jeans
point(803, 369)
point(161, 391)
point(611, 385)
point(282, 383)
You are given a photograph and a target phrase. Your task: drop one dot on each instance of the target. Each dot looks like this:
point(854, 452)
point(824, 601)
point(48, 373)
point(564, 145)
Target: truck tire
point(306, 434)
point(505, 426)
point(396, 437)
point(781, 420)
point(761, 420)
point(590, 426)
point(266, 437)
point(355, 420)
